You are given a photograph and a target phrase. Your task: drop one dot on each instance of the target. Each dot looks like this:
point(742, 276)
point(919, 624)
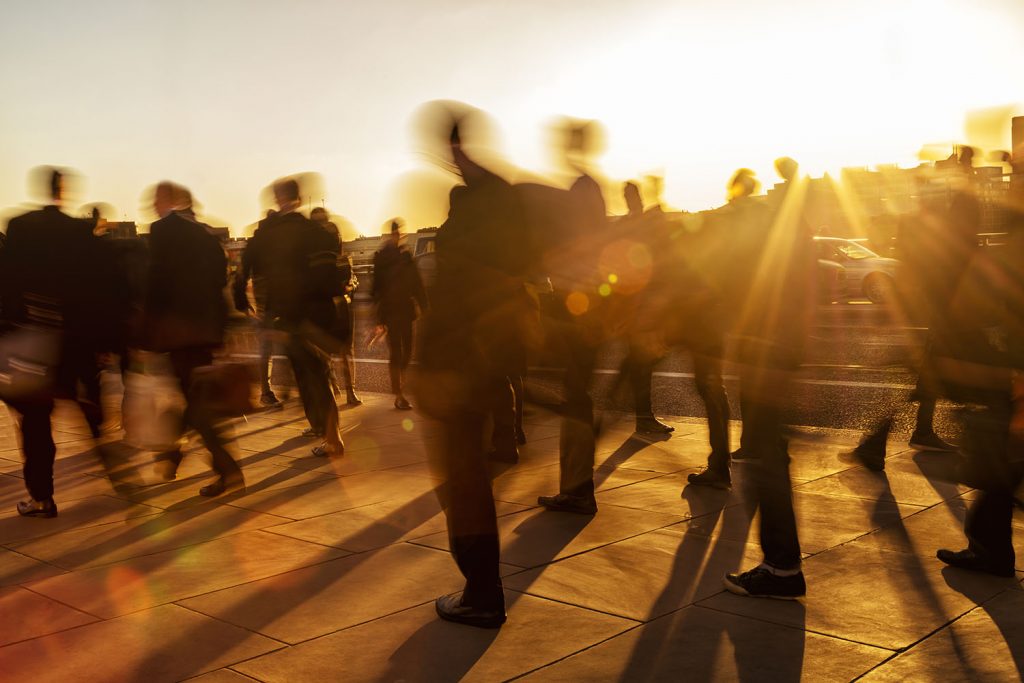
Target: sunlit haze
point(225, 95)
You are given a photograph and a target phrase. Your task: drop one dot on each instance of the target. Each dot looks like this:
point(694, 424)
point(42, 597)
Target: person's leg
point(503, 434)
point(89, 400)
point(348, 366)
point(198, 416)
point(38, 447)
point(310, 367)
point(707, 371)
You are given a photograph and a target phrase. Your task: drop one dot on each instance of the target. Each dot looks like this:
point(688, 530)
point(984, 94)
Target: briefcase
point(224, 389)
point(29, 356)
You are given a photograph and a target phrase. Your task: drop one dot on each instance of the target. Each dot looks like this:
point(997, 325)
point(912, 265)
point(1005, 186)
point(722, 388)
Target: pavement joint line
point(238, 626)
point(28, 587)
point(577, 652)
point(804, 629)
point(636, 622)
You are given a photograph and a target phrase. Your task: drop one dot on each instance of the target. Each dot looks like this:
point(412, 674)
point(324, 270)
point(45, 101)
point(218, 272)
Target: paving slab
point(941, 526)
point(34, 615)
point(704, 645)
point(916, 479)
point(143, 582)
point(538, 536)
point(641, 578)
point(222, 676)
point(877, 597)
point(516, 485)
point(164, 644)
point(109, 543)
point(414, 645)
point(985, 645)
point(375, 526)
point(73, 515)
point(16, 568)
point(317, 600)
point(333, 494)
point(823, 521)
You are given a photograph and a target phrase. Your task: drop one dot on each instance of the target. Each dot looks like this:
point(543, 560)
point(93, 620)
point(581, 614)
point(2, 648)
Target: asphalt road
point(857, 370)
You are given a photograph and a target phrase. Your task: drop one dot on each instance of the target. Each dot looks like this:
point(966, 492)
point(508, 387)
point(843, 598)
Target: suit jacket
point(296, 260)
point(55, 272)
point(185, 304)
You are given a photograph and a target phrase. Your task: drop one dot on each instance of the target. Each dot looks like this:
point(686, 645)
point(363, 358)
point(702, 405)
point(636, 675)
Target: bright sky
point(225, 95)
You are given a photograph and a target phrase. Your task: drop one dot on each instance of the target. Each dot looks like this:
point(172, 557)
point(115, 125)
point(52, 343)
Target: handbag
point(29, 356)
point(225, 389)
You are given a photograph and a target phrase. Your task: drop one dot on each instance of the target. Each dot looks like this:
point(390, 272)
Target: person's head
point(742, 184)
point(286, 194)
point(319, 214)
point(163, 198)
point(631, 193)
point(787, 168)
point(395, 230)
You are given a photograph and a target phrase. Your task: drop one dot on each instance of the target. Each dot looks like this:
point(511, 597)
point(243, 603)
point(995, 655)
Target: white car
point(867, 274)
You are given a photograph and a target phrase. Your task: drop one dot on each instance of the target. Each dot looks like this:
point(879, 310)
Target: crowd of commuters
point(525, 270)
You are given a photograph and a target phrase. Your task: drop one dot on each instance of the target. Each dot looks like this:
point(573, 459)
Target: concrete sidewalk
point(327, 569)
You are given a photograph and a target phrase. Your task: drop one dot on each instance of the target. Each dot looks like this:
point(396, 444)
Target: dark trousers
point(707, 375)
point(310, 366)
point(577, 441)
point(400, 350)
point(762, 393)
point(37, 445)
point(198, 417)
point(504, 412)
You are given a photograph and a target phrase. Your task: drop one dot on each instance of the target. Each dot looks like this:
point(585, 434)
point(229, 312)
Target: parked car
point(867, 274)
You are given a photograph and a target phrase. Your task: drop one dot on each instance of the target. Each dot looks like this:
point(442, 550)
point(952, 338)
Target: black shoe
point(968, 559)
point(651, 425)
point(711, 477)
point(220, 486)
point(450, 608)
point(870, 457)
point(402, 404)
point(37, 508)
point(930, 441)
point(760, 582)
point(167, 464)
point(520, 437)
point(563, 502)
point(352, 399)
point(311, 433)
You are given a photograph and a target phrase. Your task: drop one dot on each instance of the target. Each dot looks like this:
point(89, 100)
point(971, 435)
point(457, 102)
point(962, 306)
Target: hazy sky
point(225, 95)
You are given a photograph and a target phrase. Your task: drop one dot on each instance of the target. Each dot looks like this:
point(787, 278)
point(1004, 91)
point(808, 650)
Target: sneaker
point(651, 425)
point(968, 559)
point(450, 608)
point(930, 441)
point(711, 477)
point(564, 502)
point(760, 582)
point(37, 508)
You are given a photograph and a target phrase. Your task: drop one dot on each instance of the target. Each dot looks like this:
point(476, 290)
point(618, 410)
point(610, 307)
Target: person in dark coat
point(465, 360)
point(297, 260)
point(185, 317)
point(398, 292)
point(55, 277)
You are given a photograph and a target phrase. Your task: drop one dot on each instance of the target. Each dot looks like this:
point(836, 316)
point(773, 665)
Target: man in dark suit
point(186, 315)
point(54, 278)
point(297, 259)
point(397, 291)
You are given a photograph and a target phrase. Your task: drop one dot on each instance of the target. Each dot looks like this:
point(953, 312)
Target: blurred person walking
point(297, 258)
point(58, 294)
point(185, 317)
point(397, 292)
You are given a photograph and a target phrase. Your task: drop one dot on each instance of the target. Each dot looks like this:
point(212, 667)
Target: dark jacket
point(397, 287)
point(296, 260)
point(55, 272)
point(185, 304)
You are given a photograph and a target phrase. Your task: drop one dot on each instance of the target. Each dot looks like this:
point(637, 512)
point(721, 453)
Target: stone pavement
point(326, 569)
